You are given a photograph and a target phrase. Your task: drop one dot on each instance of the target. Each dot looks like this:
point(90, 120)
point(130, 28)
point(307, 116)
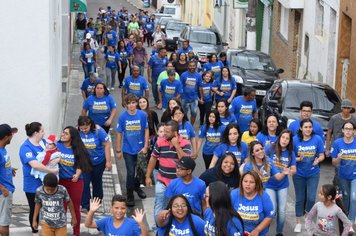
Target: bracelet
point(118, 151)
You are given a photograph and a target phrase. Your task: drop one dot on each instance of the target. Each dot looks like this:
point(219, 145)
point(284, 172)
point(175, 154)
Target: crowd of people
point(244, 186)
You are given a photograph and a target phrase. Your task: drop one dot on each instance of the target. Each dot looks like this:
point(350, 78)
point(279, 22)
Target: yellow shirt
point(246, 138)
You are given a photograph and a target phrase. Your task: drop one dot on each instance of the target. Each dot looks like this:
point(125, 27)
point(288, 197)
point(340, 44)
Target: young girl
point(231, 140)
point(328, 212)
point(225, 116)
point(212, 131)
point(270, 130)
point(141, 34)
point(206, 96)
point(250, 135)
point(167, 114)
point(225, 86)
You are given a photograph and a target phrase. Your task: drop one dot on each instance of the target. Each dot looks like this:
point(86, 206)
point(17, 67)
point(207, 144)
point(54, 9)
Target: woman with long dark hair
point(220, 216)
point(225, 86)
point(225, 116)
point(248, 136)
point(181, 65)
point(75, 161)
point(178, 217)
point(152, 118)
point(270, 131)
point(167, 114)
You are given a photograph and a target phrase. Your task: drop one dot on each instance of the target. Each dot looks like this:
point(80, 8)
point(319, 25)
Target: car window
point(295, 95)
point(325, 99)
point(276, 92)
point(175, 26)
point(206, 37)
point(252, 62)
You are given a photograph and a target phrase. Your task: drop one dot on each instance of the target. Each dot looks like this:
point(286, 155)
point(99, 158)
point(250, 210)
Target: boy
point(117, 224)
point(50, 199)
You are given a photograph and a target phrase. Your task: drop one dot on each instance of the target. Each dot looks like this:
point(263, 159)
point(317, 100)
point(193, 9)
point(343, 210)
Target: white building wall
point(30, 65)
point(322, 54)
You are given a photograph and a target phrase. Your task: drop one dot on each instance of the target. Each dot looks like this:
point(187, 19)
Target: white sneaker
point(112, 88)
point(298, 228)
point(352, 230)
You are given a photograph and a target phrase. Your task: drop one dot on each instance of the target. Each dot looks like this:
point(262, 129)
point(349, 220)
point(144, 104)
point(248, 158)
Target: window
point(319, 18)
point(284, 22)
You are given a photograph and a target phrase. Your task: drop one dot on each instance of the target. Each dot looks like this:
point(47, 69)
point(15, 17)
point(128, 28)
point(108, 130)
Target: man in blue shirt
point(191, 81)
point(88, 85)
point(110, 38)
point(185, 48)
point(6, 173)
point(134, 84)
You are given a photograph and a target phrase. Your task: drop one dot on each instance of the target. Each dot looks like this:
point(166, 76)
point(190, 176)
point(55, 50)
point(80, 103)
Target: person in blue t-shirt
point(134, 84)
point(219, 207)
point(169, 88)
point(270, 131)
point(118, 223)
point(124, 60)
point(253, 204)
point(225, 116)
point(88, 85)
point(309, 151)
point(205, 101)
point(343, 152)
point(214, 66)
point(223, 59)
point(112, 66)
point(32, 146)
point(149, 27)
point(110, 38)
point(283, 157)
point(225, 86)
point(100, 107)
point(212, 131)
point(306, 111)
point(96, 141)
point(156, 65)
point(7, 187)
point(231, 140)
point(186, 48)
point(178, 219)
point(88, 59)
point(244, 108)
point(91, 30)
point(132, 138)
point(191, 81)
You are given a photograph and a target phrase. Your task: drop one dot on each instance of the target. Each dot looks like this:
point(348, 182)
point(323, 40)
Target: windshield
point(164, 20)
point(205, 37)
point(175, 26)
point(252, 62)
point(169, 10)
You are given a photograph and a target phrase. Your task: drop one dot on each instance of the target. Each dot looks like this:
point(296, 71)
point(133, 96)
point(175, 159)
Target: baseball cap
point(171, 72)
point(88, 36)
point(346, 103)
point(6, 130)
point(186, 162)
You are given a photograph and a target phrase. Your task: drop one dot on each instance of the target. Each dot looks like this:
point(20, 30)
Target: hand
point(75, 178)
point(194, 156)
point(144, 150)
point(119, 155)
point(55, 171)
point(327, 152)
point(229, 100)
point(73, 221)
point(108, 166)
point(5, 192)
point(163, 215)
point(14, 171)
point(148, 182)
point(316, 162)
point(108, 122)
point(339, 156)
point(95, 204)
point(221, 93)
point(145, 66)
point(54, 162)
point(175, 141)
point(254, 233)
point(200, 101)
point(138, 216)
point(34, 224)
point(301, 157)
point(159, 106)
point(286, 171)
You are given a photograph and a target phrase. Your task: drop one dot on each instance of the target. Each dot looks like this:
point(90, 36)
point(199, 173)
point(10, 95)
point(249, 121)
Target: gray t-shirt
point(52, 210)
point(335, 124)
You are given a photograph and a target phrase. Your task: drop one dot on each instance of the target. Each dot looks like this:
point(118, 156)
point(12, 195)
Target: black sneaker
point(130, 200)
point(140, 193)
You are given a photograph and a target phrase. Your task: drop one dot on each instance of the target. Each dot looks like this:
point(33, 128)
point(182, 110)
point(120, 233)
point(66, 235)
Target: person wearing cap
point(169, 88)
point(92, 42)
point(7, 187)
point(188, 185)
point(88, 85)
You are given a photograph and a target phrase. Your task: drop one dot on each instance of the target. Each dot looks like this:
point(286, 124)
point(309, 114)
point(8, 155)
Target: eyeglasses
point(176, 206)
point(181, 168)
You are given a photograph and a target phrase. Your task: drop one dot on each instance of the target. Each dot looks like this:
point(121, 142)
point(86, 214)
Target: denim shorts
point(190, 104)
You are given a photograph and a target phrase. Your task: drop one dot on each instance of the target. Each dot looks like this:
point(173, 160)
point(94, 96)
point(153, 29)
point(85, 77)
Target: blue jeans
point(110, 77)
point(132, 182)
point(348, 189)
point(95, 177)
point(88, 68)
point(155, 90)
point(305, 192)
point(191, 104)
point(161, 201)
point(279, 201)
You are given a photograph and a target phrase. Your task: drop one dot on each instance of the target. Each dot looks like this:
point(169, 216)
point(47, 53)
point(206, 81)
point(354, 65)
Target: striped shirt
point(167, 154)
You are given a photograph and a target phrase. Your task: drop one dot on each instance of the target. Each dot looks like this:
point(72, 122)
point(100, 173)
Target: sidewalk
point(139, 4)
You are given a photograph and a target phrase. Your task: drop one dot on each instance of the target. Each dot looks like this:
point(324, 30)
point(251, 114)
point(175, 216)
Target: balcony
point(292, 4)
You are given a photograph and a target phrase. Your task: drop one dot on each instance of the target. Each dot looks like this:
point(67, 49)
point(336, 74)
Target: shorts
point(5, 209)
point(190, 104)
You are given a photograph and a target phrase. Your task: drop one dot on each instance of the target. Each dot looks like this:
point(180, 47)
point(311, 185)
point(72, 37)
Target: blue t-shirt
point(111, 37)
point(191, 83)
point(214, 67)
point(88, 56)
point(6, 171)
point(67, 165)
point(240, 153)
point(88, 87)
point(149, 27)
point(112, 60)
point(28, 152)
point(99, 108)
point(311, 150)
point(234, 226)
point(266, 139)
point(226, 86)
point(212, 136)
point(186, 51)
point(124, 55)
point(128, 227)
point(283, 162)
point(169, 90)
point(206, 87)
point(157, 65)
point(295, 126)
point(186, 130)
point(253, 211)
point(347, 165)
point(93, 141)
point(265, 176)
point(184, 229)
point(91, 31)
point(136, 86)
point(227, 120)
point(243, 111)
point(133, 129)
point(194, 191)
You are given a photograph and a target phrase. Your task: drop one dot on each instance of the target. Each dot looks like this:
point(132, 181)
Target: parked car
point(204, 41)
point(285, 96)
point(164, 21)
point(252, 69)
point(173, 30)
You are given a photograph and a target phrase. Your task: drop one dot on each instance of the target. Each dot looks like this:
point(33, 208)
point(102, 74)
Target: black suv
point(252, 69)
point(284, 97)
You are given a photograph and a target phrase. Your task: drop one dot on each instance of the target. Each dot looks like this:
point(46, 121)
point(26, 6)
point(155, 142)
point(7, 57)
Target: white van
point(172, 9)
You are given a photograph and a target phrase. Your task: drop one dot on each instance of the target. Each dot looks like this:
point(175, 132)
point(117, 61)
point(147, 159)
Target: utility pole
point(251, 25)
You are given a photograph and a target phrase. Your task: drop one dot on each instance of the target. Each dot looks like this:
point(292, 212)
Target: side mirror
point(280, 70)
